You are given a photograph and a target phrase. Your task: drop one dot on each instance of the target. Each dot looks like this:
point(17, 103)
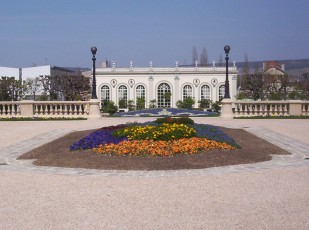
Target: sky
point(61, 32)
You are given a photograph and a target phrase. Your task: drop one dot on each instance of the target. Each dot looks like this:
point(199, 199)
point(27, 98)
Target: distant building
point(273, 68)
point(164, 85)
point(33, 72)
point(36, 71)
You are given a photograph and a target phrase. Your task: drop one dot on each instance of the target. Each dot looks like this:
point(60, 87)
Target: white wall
point(33, 72)
point(9, 72)
point(30, 72)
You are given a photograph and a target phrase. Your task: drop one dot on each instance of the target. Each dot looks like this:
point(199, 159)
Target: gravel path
point(270, 195)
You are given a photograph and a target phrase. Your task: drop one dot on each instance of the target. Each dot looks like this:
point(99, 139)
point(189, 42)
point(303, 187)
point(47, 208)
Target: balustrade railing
point(9, 108)
point(270, 108)
point(44, 109)
point(61, 108)
point(305, 108)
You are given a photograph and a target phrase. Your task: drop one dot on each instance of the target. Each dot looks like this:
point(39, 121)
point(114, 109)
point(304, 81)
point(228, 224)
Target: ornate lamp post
point(94, 85)
point(227, 85)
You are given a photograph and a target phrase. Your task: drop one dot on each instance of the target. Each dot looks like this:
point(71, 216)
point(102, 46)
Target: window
point(205, 92)
point(105, 93)
point(140, 91)
point(187, 92)
point(221, 91)
point(122, 96)
point(140, 97)
point(164, 95)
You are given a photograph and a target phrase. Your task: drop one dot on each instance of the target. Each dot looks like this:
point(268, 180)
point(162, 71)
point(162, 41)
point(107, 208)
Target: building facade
point(163, 86)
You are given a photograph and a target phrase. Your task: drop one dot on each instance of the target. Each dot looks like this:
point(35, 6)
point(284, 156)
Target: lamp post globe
point(227, 49)
point(94, 86)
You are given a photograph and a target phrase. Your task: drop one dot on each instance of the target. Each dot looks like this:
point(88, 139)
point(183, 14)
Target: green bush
point(187, 103)
point(109, 107)
point(171, 120)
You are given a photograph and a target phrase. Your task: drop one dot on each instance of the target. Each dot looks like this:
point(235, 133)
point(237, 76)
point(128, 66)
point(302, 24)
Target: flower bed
point(155, 139)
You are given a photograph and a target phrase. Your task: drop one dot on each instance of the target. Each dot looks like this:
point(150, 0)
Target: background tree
point(194, 55)
point(243, 74)
point(68, 87)
point(11, 89)
point(204, 58)
point(220, 60)
point(33, 87)
point(254, 87)
point(305, 85)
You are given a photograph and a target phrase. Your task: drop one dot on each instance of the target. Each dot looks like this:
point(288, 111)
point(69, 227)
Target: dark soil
point(57, 153)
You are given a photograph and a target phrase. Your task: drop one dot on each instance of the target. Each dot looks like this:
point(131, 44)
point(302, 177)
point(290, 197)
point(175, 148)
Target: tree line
point(43, 88)
point(260, 85)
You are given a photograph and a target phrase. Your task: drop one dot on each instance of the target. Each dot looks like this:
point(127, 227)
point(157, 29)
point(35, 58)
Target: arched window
point(164, 95)
point(105, 96)
point(140, 97)
point(187, 92)
point(122, 96)
point(221, 91)
point(205, 92)
point(105, 93)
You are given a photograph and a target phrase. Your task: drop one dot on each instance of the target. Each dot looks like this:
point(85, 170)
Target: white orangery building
point(154, 83)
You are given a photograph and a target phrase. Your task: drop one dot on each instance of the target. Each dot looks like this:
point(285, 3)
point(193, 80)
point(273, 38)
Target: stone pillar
point(233, 89)
point(295, 107)
point(151, 91)
point(176, 91)
point(94, 109)
point(27, 108)
point(226, 109)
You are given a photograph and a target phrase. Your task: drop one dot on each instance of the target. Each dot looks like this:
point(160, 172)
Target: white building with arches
point(164, 86)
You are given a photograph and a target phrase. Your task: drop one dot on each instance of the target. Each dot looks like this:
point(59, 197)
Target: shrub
point(109, 107)
point(187, 103)
point(204, 104)
point(170, 120)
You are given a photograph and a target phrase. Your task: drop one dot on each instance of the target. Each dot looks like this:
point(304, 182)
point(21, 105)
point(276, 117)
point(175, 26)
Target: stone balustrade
point(69, 109)
point(270, 108)
point(90, 109)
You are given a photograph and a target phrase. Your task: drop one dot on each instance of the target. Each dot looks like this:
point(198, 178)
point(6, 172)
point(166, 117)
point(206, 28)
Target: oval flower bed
point(163, 137)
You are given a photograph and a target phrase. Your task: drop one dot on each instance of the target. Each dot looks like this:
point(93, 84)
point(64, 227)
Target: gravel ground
point(267, 199)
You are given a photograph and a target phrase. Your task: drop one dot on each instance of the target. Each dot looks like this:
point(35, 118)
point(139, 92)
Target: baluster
point(253, 109)
point(238, 109)
point(243, 108)
point(258, 108)
point(273, 109)
point(36, 111)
